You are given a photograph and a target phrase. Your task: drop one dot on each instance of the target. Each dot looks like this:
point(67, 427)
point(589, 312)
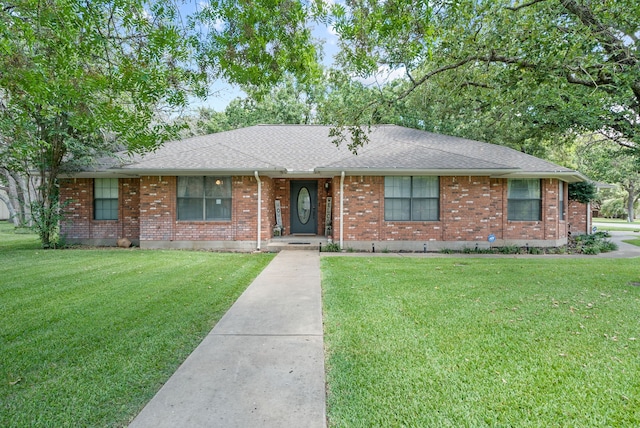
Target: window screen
point(411, 198)
point(105, 199)
point(524, 200)
point(204, 198)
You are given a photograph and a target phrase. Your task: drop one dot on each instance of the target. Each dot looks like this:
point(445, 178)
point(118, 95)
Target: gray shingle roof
point(307, 149)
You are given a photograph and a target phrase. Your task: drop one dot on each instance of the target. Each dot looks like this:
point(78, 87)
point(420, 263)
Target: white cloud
point(383, 76)
point(218, 25)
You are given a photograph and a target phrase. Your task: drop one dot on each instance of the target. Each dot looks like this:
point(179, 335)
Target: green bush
point(613, 208)
point(584, 192)
point(331, 247)
point(510, 249)
point(594, 244)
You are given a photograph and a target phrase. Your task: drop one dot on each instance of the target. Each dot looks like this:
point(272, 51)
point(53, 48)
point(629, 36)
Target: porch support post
point(341, 209)
point(259, 208)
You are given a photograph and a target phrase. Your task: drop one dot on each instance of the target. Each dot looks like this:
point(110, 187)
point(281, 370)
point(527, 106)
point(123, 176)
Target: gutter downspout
point(255, 173)
point(341, 209)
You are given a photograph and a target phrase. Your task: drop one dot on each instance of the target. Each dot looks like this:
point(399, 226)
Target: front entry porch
point(296, 242)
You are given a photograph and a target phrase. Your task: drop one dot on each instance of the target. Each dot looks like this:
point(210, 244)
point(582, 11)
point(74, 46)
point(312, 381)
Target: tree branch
point(611, 43)
point(477, 85)
point(492, 57)
point(522, 6)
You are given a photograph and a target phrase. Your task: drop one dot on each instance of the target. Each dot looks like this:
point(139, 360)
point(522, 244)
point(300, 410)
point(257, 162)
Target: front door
point(304, 207)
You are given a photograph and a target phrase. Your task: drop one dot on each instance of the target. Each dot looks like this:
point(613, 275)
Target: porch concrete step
point(302, 243)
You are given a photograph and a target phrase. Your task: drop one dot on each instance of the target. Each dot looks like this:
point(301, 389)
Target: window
point(204, 198)
point(561, 199)
point(412, 198)
point(105, 199)
point(525, 200)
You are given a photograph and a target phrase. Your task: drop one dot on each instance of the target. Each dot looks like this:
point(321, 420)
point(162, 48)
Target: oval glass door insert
point(304, 205)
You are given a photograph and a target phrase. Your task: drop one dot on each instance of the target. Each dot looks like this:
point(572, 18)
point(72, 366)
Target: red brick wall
point(578, 218)
point(471, 208)
point(79, 223)
point(467, 208)
point(158, 211)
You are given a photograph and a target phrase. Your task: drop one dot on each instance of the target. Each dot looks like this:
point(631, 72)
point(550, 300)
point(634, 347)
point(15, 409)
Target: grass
point(635, 242)
point(614, 220)
point(88, 336)
point(463, 342)
point(625, 226)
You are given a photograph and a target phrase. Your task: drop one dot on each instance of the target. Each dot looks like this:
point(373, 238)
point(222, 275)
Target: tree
point(79, 78)
point(551, 65)
point(613, 164)
point(83, 79)
point(285, 103)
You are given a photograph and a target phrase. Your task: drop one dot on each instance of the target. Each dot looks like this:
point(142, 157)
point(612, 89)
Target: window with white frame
point(105, 199)
point(204, 198)
point(412, 198)
point(524, 199)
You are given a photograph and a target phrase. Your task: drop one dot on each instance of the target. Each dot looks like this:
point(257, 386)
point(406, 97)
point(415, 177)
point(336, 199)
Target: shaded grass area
point(466, 342)
point(635, 242)
point(614, 220)
point(625, 226)
point(89, 336)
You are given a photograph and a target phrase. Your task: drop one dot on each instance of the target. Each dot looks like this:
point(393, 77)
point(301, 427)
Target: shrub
point(509, 249)
point(613, 208)
point(594, 244)
point(584, 192)
point(331, 247)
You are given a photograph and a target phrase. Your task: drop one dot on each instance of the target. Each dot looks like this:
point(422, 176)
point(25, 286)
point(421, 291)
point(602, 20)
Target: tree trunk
point(19, 196)
point(630, 203)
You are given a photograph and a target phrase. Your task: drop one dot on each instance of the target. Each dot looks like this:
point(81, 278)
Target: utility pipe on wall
point(341, 209)
point(259, 208)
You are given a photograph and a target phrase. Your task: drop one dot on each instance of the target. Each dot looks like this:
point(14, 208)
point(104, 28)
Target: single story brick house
point(405, 190)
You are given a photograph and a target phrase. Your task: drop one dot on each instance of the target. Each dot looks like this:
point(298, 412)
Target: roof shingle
point(286, 149)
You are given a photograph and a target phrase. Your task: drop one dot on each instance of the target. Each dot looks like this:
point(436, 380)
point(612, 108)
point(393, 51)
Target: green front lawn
point(465, 342)
point(88, 336)
point(635, 242)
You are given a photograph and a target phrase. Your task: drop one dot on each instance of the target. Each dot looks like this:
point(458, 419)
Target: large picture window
point(524, 200)
point(105, 199)
point(204, 198)
point(412, 198)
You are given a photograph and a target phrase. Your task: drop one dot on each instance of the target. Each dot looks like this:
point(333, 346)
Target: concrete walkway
point(263, 363)
point(624, 250)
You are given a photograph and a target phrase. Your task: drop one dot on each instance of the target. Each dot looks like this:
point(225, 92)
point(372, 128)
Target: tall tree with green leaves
point(553, 65)
point(78, 79)
point(82, 79)
point(613, 164)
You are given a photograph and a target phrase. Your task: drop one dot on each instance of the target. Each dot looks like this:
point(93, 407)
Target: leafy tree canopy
point(550, 65)
point(79, 79)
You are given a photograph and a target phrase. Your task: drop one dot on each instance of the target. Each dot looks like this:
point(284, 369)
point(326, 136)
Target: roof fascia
point(99, 174)
point(401, 171)
point(568, 176)
point(198, 172)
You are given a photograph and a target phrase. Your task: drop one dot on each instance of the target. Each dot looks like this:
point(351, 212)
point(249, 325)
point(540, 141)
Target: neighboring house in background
point(403, 190)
